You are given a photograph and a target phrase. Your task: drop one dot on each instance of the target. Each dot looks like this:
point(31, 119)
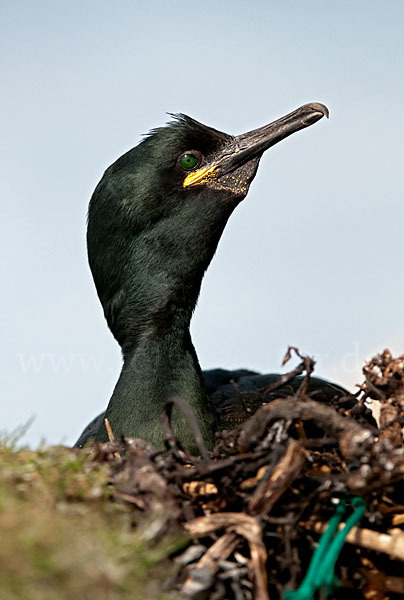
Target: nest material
point(255, 506)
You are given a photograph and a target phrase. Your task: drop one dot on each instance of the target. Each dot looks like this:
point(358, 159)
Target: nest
point(255, 507)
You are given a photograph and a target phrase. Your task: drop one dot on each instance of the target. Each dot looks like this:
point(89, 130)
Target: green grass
point(62, 537)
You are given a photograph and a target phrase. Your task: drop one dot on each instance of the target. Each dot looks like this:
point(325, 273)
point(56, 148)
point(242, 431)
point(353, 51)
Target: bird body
point(154, 223)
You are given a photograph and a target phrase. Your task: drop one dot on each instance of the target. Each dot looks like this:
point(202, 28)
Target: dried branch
point(391, 543)
point(270, 490)
point(245, 526)
point(353, 438)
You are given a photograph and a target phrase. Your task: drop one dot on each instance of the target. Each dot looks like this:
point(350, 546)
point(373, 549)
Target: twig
point(111, 436)
point(220, 550)
point(243, 525)
point(307, 365)
point(286, 377)
point(391, 544)
point(286, 471)
point(110, 433)
point(351, 436)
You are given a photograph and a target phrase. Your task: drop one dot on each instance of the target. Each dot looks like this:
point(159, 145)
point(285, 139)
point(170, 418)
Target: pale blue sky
point(314, 255)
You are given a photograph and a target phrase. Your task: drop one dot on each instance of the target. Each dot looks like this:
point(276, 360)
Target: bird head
point(157, 215)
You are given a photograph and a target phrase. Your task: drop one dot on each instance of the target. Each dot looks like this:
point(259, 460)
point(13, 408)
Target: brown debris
point(254, 508)
point(245, 526)
point(285, 472)
point(392, 543)
point(385, 380)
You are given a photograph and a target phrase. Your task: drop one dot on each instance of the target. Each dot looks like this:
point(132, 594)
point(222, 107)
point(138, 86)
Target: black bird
point(154, 222)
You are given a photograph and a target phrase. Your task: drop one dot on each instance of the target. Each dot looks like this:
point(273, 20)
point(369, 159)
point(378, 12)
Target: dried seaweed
point(254, 507)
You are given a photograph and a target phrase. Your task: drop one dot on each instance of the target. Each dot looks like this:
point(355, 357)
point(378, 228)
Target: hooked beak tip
point(321, 108)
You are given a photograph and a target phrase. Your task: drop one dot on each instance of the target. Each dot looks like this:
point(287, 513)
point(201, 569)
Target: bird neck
point(161, 364)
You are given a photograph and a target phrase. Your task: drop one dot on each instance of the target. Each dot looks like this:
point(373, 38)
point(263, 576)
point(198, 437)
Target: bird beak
point(253, 144)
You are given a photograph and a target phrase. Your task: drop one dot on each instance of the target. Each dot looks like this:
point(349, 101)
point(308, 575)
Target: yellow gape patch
point(198, 176)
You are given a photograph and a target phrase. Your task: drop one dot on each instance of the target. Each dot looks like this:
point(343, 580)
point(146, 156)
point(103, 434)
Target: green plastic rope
point(320, 573)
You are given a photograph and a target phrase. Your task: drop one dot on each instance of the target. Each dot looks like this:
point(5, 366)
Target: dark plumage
point(154, 223)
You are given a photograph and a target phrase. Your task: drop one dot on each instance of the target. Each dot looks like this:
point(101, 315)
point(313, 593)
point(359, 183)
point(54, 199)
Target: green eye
point(188, 161)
